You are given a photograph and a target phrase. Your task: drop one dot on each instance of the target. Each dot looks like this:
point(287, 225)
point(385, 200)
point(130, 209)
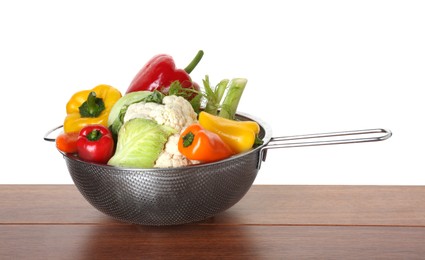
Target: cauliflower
point(170, 156)
point(175, 112)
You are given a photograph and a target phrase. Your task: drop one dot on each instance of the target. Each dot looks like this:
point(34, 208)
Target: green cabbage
point(140, 142)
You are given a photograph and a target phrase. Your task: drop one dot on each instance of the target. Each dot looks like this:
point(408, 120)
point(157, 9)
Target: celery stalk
point(220, 89)
point(231, 100)
point(210, 107)
point(214, 96)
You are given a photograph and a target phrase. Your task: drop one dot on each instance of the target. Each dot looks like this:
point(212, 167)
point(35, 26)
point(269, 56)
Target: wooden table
point(270, 222)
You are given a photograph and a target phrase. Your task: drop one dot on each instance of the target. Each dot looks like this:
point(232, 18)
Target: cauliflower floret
point(170, 156)
point(175, 112)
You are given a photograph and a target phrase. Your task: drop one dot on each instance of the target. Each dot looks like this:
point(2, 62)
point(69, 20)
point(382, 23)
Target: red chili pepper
point(160, 72)
point(95, 144)
point(197, 143)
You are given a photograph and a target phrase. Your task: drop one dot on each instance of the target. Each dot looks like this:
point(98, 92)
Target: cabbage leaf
point(140, 142)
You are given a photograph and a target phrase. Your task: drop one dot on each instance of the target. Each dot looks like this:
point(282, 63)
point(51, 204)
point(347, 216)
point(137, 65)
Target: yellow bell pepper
point(90, 107)
point(239, 135)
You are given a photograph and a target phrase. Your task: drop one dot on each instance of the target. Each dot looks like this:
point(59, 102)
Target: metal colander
point(172, 196)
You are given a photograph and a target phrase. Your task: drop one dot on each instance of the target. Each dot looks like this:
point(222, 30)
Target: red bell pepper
point(95, 143)
point(160, 72)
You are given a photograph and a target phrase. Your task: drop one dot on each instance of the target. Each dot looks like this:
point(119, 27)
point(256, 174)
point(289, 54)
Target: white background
point(312, 66)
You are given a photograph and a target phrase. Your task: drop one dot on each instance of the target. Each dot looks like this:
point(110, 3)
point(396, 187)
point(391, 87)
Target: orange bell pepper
point(199, 144)
point(67, 142)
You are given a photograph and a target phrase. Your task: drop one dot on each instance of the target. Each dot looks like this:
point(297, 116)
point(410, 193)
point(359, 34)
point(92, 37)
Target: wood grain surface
point(270, 222)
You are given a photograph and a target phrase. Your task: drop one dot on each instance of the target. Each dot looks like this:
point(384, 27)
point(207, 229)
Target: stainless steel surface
point(333, 138)
point(164, 196)
point(172, 196)
point(51, 131)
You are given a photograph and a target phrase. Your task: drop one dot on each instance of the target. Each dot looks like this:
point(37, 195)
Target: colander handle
point(46, 136)
point(345, 137)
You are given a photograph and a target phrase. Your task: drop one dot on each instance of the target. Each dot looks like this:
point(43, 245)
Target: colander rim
point(265, 128)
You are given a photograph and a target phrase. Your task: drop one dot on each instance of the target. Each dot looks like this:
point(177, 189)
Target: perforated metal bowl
point(172, 196)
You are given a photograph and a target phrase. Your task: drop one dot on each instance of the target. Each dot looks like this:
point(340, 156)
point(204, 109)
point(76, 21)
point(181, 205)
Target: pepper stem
point(92, 107)
point(94, 135)
point(91, 103)
point(188, 139)
point(194, 62)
